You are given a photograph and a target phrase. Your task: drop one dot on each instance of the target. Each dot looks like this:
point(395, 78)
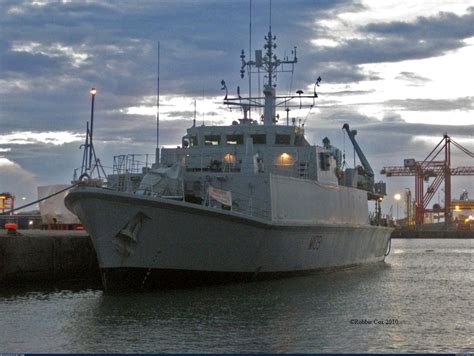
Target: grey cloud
point(412, 77)
point(350, 92)
point(341, 72)
point(426, 36)
point(392, 117)
point(181, 114)
point(28, 64)
point(338, 115)
point(466, 103)
point(398, 41)
point(364, 51)
point(411, 129)
point(442, 26)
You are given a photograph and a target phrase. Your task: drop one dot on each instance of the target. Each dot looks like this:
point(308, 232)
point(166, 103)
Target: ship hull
point(145, 242)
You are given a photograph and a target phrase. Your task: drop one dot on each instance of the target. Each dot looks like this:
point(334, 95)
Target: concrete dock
point(37, 256)
point(409, 233)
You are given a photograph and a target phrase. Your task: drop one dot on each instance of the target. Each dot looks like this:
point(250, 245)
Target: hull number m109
point(315, 242)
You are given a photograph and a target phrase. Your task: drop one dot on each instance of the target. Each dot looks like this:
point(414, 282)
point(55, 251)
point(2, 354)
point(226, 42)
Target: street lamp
point(397, 197)
point(93, 93)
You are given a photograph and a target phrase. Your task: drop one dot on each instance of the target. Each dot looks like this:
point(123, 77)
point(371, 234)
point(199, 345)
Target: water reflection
point(272, 316)
point(43, 290)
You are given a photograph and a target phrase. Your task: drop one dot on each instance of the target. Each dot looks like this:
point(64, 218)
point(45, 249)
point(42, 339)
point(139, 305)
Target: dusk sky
point(399, 72)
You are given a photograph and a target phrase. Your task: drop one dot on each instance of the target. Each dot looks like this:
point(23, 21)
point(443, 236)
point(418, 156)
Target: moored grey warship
point(244, 201)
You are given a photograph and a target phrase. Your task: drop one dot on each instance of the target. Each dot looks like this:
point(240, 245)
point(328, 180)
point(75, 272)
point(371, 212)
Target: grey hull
point(147, 237)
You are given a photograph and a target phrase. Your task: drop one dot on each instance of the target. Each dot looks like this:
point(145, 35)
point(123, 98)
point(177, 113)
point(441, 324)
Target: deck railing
point(132, 163)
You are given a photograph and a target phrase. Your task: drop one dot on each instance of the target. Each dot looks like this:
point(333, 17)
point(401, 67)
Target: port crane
point(7, 202)
point(436, 165)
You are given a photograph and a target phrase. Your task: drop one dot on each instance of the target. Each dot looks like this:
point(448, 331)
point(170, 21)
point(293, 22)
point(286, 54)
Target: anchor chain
point(148, 272)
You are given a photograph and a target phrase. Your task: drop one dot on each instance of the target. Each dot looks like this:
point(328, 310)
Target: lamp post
point(409, 205)
point(93, 93)
point(397, 197)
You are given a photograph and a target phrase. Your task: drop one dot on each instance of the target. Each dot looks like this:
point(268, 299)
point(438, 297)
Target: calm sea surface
point(420, 300)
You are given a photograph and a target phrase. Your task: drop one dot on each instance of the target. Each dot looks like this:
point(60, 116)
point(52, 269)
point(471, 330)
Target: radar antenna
point(269, 62)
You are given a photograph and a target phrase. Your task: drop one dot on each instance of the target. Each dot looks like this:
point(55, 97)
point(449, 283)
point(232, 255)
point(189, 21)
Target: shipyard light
point(397, 197)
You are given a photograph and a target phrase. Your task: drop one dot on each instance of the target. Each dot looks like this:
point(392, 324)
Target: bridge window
point(235, 139)
point(212, 140)
point(282, 139)
point(259, 139)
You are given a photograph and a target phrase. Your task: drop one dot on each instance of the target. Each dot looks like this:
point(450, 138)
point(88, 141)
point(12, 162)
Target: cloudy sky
point(400, 72)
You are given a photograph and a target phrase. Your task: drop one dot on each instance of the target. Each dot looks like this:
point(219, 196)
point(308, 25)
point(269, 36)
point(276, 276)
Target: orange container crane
point(433, 166)
point(7, 202)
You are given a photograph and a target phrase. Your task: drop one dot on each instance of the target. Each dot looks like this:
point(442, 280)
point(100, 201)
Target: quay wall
point(46, 256)
point(432, 234)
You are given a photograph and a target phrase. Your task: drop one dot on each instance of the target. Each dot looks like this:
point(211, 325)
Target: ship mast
point(158, 107)
point(267, 61)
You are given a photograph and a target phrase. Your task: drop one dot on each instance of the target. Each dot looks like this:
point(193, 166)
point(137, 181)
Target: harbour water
point(419, 300)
